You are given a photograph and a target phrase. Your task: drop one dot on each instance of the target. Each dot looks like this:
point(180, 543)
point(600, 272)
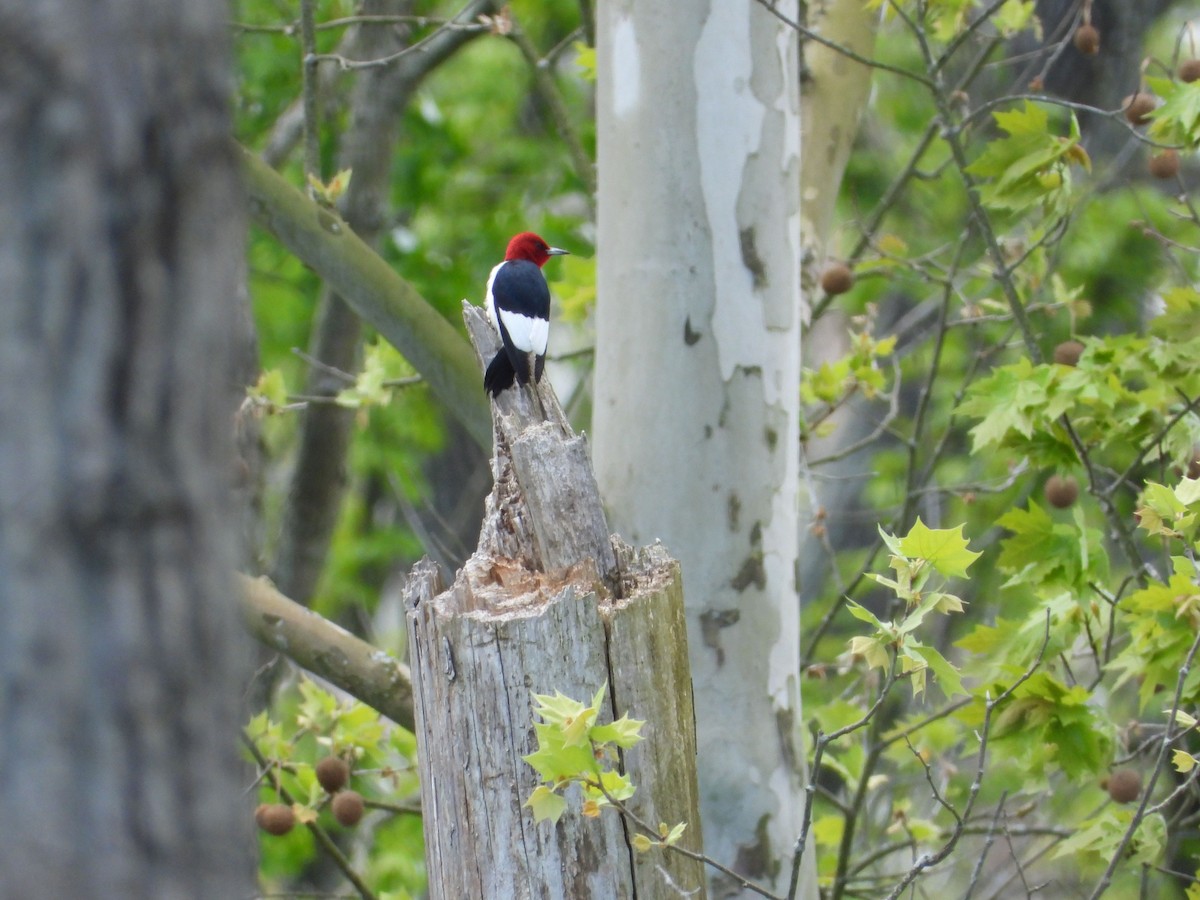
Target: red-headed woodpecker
point(518, 305)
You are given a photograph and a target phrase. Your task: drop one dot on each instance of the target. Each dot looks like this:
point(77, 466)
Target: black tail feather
point(502, 373)
point(499, 375)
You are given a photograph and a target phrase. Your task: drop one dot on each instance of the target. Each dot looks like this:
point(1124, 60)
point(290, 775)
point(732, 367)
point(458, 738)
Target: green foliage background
point(1074, 623)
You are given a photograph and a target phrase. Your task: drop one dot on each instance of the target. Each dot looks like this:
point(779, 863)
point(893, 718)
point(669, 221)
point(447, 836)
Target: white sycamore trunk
point(697, 373)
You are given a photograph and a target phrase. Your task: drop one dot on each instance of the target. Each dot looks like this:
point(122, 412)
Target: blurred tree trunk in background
point(120, 653)
point(696, 407)
point(1103, 79)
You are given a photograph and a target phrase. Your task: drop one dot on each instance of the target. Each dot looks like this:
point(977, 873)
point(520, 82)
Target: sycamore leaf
point(625, 732)
point(616, 784)
point(949, 679)
point(598, 697)
point(944, 548)
point(1100, 837)
point(1029, 166)
point(1183, 761)
point(915, 666)
point(864, 615)
point(546, 804)
point(871, 649)
point(672, 837)
point(1187, 720)
point(1177, 118)
point(643, 844)
point(555, 762)
point(557, 710)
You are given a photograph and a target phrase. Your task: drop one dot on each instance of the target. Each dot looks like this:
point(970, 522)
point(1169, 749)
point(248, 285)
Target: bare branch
point(325, 649)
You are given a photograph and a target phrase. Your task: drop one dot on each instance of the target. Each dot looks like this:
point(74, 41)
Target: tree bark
point(696, 411)
point(547, 604)
point(121, 659)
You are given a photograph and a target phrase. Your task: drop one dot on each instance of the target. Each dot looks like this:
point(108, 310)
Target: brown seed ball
point(1087, 39)
point(837, 278)
point(1189, 70)
point(1061, 491)
point(333, 772)
point(1193, 469)
point(1124, 785)
point(1068, 352)
point(1137, 107)
point(348, 807)
point(275, 818)
point(1165, 164)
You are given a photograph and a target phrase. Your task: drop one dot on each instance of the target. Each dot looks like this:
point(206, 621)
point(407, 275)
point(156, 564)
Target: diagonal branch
point(322, 240)
point(366, 672)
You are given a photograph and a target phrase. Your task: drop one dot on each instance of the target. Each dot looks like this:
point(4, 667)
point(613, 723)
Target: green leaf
point(944, 548)
point(949, 679)
point(270, 389)
point(559, 710)
point(873, 650)
point(672, 837)
point(1030, 166)
point(546, 804)
point(643, 844)
point(625, 732)
point(585, 58)
point(864, 615)
point(1177, 118)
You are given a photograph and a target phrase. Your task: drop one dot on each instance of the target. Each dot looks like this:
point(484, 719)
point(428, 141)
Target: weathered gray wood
point(474, 709)
point(547, 508)
point(546, 603)
point(648, 665)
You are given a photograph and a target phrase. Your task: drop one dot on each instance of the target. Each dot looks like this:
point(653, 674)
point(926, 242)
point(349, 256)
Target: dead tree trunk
point(547, 602)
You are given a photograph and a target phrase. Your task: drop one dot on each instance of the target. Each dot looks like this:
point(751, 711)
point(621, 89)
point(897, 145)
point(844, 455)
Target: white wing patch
point(528, 333)
point(489, 299)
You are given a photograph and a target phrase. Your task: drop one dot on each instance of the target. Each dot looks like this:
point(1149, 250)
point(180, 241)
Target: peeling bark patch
point(690, 337)
point(771, 436)
point(785, 722)
point(750, 258)
point(734, 511)
point(711, 623)
point(752, 572)
point(754, 860)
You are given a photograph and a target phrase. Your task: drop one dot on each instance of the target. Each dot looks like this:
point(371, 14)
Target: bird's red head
point(528, 245)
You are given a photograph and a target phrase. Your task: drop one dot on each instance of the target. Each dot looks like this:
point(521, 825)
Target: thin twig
point(931, 859)
point(770, 6)
point(823, 741)
point(650, 831)
point(309, 90)
point(548, 91)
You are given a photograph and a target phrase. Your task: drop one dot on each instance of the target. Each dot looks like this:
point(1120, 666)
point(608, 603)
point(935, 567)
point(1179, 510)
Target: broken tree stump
point(549, 601)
